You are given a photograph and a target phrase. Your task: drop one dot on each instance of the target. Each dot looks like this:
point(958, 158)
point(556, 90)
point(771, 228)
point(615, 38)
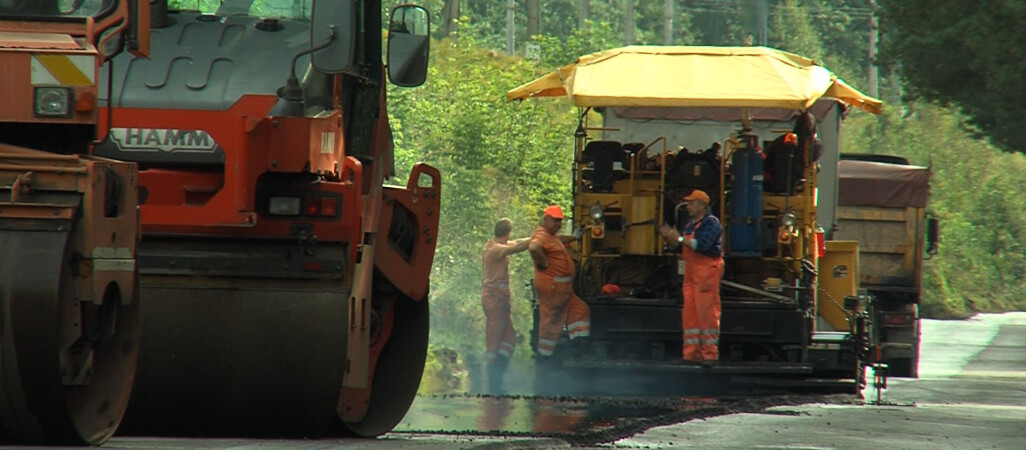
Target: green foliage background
point(502, 159)
point(499, 159)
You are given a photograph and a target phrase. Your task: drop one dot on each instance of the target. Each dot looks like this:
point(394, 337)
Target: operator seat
point(606, 161)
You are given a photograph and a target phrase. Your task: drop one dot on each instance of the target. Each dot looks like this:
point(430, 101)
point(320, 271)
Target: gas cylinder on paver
point(746, 203)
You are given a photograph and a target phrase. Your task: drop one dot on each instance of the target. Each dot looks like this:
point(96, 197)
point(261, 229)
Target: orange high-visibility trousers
point(500, 337)
point(558, 306)
point(700, 316)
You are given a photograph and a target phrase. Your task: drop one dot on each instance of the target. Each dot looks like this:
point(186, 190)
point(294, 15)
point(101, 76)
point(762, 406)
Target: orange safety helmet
point(554, 211)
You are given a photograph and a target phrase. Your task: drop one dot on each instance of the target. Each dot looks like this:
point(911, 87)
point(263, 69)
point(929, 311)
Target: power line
point(818, 15)
point(719, 6)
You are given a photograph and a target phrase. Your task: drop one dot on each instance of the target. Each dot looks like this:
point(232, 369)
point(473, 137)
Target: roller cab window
point(56, 8)
point(268, 9)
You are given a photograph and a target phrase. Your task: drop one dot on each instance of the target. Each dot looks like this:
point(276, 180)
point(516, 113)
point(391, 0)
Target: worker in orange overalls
point(500, 338)
point(701, 243)
point(558, 306)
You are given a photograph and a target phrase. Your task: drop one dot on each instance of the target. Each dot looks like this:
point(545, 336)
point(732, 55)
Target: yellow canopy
point(753, 77)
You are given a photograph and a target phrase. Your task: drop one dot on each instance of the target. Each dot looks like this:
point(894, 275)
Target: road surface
point(971, 394)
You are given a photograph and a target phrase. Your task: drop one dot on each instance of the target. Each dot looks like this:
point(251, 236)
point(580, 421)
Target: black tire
point(398, 371)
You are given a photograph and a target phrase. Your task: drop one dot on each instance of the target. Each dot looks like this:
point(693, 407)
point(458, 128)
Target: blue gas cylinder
point(746, 199)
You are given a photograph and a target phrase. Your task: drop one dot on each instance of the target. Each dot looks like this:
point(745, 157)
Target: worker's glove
point(578, 232)
point(540, 266)
point(668, 233)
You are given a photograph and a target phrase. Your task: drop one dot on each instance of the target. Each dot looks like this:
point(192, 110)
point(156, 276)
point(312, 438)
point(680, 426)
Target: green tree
point(790, 30)
point(720, 23)
point(594, 37)
point(973, 57)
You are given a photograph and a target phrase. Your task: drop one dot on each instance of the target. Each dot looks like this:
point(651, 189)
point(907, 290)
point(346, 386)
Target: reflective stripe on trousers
point(559, 307)
point(546, 347)
point(578, 329)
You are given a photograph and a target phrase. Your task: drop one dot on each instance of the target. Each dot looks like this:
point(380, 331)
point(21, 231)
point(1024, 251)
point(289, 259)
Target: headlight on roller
point(283, 206)
point(52, 101)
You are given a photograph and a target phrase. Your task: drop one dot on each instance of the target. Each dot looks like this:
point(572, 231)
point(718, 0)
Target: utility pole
point(668, 28)
point(762, 14)
point(510, 43)
point(896, 83)
point(451, 16)
point(533, 18)
point(628, 22)
point(583, 12)
point(872, 86)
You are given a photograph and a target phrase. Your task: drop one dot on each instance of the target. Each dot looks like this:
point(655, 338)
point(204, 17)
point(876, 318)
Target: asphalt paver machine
point(758, 130)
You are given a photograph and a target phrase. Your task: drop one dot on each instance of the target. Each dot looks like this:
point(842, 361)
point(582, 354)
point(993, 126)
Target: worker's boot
point(496, 373)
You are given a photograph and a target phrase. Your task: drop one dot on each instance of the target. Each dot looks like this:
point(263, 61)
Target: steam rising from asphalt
point(524, 379)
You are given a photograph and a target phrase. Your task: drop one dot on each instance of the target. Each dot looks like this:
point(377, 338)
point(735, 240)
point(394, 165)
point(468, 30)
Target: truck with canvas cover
point(882, 204)
point(69, 306)
point(284, 282)
point(758, 130)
